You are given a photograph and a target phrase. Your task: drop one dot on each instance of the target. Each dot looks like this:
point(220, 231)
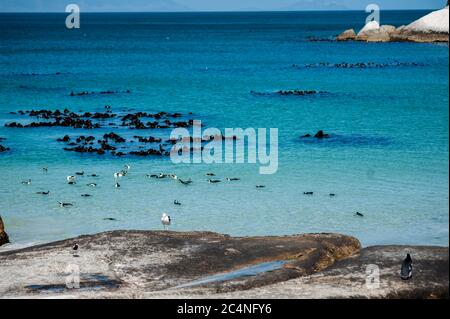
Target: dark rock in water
point(113, 136)
point(321, 134)
point(150, 139)
point(4, 239)
point(101, 92)
point(65, 139)
point(295, 92)
point(3, 149)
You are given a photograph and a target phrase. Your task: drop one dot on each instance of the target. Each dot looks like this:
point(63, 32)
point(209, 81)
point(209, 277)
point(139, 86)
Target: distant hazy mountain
point(315, 5)
point(89, 5)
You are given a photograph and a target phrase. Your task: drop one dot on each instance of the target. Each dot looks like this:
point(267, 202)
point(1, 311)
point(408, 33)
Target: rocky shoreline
point(432, 28)
point(164, 264)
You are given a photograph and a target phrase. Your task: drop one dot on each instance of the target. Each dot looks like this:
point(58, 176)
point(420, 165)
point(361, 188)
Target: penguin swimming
point(175, 202)
point(406, 270)
point(86, 195)
point(61, 204)
point(79, 173)
point(210, 174)
point(232, 179)
point(214, 181)
point(260, 186)
point(308, 193)
point(91, 185)
point(27, 182)
point(185, 182)
point(43, 193)
point(359, 214)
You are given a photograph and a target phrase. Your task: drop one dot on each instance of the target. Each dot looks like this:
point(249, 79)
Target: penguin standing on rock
point(75, 250)
point(406, 270)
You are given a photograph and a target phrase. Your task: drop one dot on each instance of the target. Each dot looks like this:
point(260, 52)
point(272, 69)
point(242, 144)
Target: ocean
point(388, 158)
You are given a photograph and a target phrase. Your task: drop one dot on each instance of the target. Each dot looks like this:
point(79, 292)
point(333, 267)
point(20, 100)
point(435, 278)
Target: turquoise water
point(389, 160)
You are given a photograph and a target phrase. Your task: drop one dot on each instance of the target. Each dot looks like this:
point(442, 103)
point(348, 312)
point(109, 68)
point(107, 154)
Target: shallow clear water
point(390, 161)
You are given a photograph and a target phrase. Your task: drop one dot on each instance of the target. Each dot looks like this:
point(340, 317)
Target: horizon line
point(216, 11)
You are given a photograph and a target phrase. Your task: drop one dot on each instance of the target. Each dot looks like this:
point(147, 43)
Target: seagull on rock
point(166, 220)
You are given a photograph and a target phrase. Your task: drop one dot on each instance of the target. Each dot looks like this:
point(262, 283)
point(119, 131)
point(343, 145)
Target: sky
point(211, 5)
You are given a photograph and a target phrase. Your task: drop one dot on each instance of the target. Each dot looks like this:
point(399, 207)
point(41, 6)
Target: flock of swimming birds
point(166, 220)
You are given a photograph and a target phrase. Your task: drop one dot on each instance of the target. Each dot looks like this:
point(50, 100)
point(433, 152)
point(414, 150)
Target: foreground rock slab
point(348, 278)
point(134, 264)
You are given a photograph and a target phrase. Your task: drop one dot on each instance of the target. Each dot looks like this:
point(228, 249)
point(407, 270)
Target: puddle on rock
point(243, 272)
point(87, 283)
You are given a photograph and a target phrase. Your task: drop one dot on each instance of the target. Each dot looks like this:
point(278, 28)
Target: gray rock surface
point(152, 264)
point(347, 278)
point(136, 263)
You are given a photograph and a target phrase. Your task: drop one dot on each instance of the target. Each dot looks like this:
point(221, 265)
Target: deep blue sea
point(389, 159)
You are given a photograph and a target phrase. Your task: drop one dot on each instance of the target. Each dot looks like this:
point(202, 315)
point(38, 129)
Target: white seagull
point(166, 220)
point(71, 178)
point(118, 175)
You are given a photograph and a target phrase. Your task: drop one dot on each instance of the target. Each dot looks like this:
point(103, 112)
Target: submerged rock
point(3, 236)
point(3, 148)
point(142, 262)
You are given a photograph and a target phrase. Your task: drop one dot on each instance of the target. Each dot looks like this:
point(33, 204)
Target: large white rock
point(435, 22)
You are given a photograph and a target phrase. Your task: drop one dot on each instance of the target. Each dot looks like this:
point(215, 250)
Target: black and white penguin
point(406, 270)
